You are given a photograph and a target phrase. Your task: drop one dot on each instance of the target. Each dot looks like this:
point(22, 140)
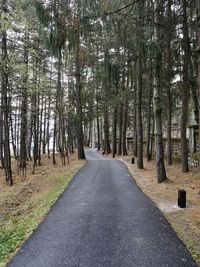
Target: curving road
point(103, 220)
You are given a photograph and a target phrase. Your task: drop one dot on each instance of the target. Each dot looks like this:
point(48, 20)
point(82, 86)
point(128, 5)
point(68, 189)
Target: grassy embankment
point(23, 206)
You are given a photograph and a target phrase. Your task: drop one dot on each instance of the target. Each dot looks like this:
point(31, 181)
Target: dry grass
point(15, 200)
point(24, 205)
point(186, 222)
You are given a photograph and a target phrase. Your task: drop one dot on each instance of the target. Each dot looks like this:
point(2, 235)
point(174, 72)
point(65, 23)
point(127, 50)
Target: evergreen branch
point(106, 13)
point(122, 8)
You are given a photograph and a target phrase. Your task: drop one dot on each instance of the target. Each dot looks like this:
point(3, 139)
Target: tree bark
point(135, 114)
point(79, 127)
point(106, 133)
point(48, 135)
point(90, 130)
point(124, 147)
point(41, 111)
point(98, 129)
point(12, 130)
point(152, 137)
point(139, 87)
point(148, 154)
point(5, 104)
point(119, 152)
point(107, 90)
point(57, 115)
point(198, 54)
point(185, 90)
point(160, 166)
point(44, 138)
point(24, 109)
point(1, 135)
point(35, 114)
point(169, 71)
point(114, 137)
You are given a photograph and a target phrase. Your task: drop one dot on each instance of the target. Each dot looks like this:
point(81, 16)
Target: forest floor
point(185, 222)
point(24, 205)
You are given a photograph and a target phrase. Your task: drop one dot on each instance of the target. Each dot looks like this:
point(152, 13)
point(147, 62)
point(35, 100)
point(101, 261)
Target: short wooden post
point(182, 198)
point(133, 161)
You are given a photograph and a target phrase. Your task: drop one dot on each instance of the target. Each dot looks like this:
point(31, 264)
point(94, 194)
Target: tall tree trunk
point(135, 113)
point(1, 135)
point(106, 132)
point(198, 53)
point(62, 133)
point(114, 137)
point(119, 152)
point(18, 129)
point(161, 173)
point(24, 109)
point(5, 103)
point(90, 131)
point(101, 129)
point(185, 90)
point(124, 146)
point(194, 86)
point(79, 127)
point(48, 135)
point(98, 129)
point(44, 139)
point(169, 75)
point(125, 115)
point(12, 130)
point(107, 89)
point(30, 139)
point(148, 154)
point(152, 137)
point(35, 115)
point(193, 65)
point(139, 87)
point(54, 139)
point(57, 115)
point(40, 129)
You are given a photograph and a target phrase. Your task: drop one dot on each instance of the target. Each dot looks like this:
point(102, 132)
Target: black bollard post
point(133, 161)
point(182, 198)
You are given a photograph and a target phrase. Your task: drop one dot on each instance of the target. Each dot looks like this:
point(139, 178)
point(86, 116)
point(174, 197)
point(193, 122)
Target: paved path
point(103, 220)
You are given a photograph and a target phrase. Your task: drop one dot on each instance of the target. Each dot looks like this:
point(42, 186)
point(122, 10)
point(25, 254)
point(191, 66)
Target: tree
point(169, 75)
point(107, 86)
point(185, 90)
point(198, 53)
point(5, 108)
point(161, 173)
point(23, 134)
point(140, 85)
point(79, 128)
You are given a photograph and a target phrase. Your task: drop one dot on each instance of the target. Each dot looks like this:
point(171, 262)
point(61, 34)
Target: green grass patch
point(15, 230)
point(190, 244)
point(185, 236)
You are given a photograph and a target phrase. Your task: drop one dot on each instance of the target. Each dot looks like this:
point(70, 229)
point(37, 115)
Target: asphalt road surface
point(103, 220)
